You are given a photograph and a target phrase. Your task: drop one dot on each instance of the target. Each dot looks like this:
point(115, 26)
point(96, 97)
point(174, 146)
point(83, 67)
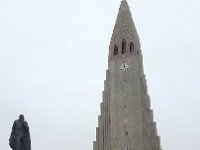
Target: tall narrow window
point(115, 50)
point(125, 106)
point(131, 47)
point(126, 133)
point(123, 46)
point(138, 53)
point(126, 120)
point(126, 147)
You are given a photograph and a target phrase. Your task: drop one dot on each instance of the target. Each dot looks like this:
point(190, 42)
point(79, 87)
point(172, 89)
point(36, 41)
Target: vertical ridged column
point(104, 119)
point(97, 138)
point(106, 88)
point(100, 131)
point(94, 145)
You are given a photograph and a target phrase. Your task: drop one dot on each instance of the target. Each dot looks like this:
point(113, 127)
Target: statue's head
point(21, 117)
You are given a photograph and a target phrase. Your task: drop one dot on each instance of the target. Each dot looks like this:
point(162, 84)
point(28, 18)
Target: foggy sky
point(53, 57)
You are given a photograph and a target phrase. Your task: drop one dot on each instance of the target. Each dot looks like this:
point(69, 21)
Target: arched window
point(115, 50)
point(131, 47)
point(123, 46)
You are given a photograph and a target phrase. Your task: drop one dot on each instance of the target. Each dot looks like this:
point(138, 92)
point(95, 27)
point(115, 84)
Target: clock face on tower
point(124, 66)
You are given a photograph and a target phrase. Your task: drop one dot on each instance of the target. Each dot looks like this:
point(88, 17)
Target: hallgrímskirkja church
point(126, 119)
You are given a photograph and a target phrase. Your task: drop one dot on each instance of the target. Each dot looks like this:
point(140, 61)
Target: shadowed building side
point(126, 119)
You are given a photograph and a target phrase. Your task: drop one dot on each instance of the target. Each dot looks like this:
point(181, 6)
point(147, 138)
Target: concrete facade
point(126, 119)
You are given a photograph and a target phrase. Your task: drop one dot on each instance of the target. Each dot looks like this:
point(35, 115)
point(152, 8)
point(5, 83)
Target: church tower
point(126, 119)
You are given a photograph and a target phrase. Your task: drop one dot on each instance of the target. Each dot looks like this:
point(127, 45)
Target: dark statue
point(20, 136)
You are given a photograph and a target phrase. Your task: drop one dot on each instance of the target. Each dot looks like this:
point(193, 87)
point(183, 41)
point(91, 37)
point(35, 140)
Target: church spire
point(124, 29)
point(126, 119)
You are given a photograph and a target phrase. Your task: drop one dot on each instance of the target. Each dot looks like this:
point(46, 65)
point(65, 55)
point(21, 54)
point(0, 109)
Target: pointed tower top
point(124, 15)
point(124, 7)
point(124, 29)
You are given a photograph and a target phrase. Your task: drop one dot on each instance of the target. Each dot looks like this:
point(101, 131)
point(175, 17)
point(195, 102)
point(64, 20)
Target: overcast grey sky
point(53, 57)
